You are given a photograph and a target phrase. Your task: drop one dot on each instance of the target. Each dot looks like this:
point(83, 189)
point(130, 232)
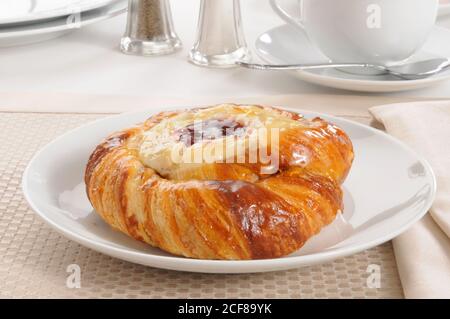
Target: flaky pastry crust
point(221, 210)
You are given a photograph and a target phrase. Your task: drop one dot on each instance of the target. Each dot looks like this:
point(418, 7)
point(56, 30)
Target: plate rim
point(116, 7)
point(355, 84)
point(30, 17)
point(233, 266)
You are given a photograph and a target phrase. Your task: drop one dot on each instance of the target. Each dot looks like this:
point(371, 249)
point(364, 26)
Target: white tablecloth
point(88, 61)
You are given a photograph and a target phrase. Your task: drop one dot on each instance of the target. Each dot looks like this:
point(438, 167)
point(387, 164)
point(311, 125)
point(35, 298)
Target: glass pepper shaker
point(149, 29)
point(220, 37)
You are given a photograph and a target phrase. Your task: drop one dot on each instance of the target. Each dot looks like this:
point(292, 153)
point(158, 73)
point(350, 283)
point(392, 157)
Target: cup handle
point(284, 15)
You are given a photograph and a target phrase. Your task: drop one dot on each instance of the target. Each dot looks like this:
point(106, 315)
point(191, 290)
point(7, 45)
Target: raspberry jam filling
point(209, 130)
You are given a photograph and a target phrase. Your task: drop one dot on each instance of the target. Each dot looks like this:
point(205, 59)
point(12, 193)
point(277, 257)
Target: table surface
point(88, 61)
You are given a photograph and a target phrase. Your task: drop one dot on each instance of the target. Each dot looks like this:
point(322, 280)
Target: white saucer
point(31, 33)
point(288, 45)
point(16, 11)
point(388, 189)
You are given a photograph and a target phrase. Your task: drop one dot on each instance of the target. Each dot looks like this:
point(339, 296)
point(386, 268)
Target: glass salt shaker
point(220, 37)
point(149, 29)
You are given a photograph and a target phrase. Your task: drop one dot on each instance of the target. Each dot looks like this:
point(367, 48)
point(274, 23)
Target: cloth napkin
point(423, 252)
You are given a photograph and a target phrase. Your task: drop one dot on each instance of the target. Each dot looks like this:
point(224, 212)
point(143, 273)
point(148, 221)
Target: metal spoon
point(410, 71)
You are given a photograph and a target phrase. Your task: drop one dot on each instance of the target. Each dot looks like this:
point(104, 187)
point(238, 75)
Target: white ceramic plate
point(288, 45)
point(388, 189)
point(20, 11)
point(33, 33)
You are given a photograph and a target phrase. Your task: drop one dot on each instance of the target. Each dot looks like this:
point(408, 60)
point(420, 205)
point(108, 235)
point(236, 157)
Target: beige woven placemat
point(34, 258)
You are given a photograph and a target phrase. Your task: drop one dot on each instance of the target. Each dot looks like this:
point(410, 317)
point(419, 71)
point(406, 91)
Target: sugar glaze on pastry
point(224, 208)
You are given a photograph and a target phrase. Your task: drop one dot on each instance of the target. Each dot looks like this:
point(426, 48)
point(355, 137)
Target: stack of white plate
point(30, 21)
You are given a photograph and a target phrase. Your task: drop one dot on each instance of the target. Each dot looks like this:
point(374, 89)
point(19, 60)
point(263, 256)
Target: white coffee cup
point(375, 31)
